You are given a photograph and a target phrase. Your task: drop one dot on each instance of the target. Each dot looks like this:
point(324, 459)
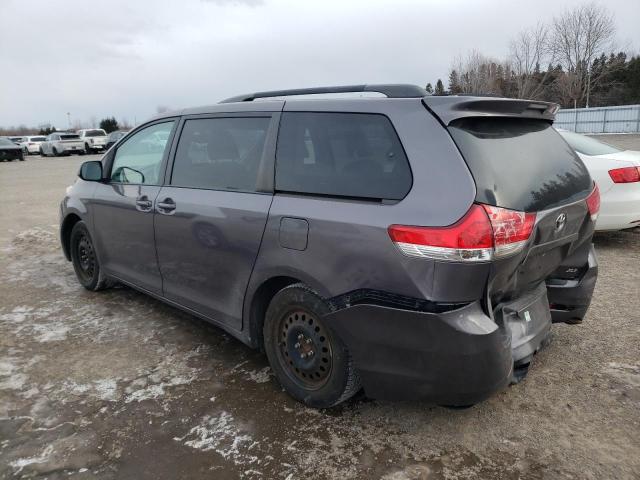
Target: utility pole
point(588, 85)
point(69, 119)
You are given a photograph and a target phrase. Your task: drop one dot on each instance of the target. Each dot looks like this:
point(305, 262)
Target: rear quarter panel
point(348, 244)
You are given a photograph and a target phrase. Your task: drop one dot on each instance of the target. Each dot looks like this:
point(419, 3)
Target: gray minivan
point(412, 245)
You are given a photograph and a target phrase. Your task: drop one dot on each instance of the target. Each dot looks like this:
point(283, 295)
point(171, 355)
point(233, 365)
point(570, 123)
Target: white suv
point(94, 139)
point(31, 145)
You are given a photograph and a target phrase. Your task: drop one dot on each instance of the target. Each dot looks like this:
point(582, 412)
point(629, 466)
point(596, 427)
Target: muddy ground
point(116, 385)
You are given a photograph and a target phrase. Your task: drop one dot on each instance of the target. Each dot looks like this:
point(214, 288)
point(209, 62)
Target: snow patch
point(20, 463)
point(260, 376)
point(221, 434)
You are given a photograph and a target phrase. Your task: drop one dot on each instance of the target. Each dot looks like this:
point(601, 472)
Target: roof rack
point(390, 90)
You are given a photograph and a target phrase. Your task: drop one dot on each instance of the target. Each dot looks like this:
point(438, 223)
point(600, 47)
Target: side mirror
point(91, 171)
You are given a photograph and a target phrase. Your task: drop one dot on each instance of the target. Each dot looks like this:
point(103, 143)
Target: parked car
point(94, 139)
point(617, 173)
point(9, 151)
point(114, 137)
point(417, 246)
point(62, 143)
point(16, 140)
point(31, 144)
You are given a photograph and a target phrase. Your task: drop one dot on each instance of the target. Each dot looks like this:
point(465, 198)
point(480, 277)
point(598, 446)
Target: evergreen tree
point(109, 124)
point(439, 88)
point(429, 88)
point(454, 83)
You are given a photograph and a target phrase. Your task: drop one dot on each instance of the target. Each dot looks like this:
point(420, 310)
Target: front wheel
point(309, 360)
point(85, 261)
point(55, 152)
point(87, 150)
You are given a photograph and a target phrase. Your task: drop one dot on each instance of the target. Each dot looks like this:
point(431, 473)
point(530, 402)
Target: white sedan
point(617, 173)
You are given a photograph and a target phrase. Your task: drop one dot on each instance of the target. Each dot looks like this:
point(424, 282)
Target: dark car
point(416, 246)
point(9, 150)
point(114, 137)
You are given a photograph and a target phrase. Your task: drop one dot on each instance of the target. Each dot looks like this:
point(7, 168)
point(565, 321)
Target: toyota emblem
point(561, 221)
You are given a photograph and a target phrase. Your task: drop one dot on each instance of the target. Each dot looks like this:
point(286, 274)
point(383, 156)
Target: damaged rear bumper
point(569, 299)
point(457, 357)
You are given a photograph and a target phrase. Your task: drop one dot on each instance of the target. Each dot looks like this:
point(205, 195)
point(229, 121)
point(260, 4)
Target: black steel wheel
point(312, 363)
point(305, 346)
point(85, 260)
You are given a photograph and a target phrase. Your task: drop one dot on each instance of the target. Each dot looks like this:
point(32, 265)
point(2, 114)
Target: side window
point(341, 154)
point(139, 159)
point(220, 153)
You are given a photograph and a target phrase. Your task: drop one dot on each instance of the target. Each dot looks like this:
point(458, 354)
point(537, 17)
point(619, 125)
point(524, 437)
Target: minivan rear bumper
point(569, 300)
point(459, 357)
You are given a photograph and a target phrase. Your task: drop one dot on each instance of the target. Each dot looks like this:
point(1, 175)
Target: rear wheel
point(85, 260)
point(87, 150)
point(311, 363)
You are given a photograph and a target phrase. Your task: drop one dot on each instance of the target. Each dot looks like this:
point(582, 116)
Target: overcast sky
point(125, 58)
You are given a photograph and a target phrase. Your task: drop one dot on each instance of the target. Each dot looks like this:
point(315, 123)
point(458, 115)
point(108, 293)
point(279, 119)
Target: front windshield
point(587, 145)
point(95, 133)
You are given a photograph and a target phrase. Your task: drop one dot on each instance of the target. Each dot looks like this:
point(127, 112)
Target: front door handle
point(143, 204)
point(166, 206)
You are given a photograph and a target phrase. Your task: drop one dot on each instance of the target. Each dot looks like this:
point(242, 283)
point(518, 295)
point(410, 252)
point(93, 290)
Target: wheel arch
point(260, 300)
point(65, 233)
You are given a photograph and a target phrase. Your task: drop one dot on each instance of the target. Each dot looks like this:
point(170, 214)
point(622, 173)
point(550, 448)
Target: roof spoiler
point(450, 108)
point(390, 90)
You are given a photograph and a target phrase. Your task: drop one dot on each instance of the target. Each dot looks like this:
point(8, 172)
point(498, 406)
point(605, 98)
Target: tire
point(42, 152)
point(311, 363)
point(25, 152)
point(55, 152)
point(85, 261)
point(87, 150)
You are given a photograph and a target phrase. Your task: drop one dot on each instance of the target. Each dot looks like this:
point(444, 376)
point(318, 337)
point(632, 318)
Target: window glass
point(341, 154)
point(519, 163)
point(94, 133)
point(220, 153)
point(586, 145)
point(138, 160)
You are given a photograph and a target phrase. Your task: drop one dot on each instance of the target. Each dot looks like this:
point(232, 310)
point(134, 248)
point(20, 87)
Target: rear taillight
point(593, 202)
point(625, 175)
point(511, 229)
point(484, 233)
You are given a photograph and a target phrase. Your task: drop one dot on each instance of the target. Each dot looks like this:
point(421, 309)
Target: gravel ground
point(116, 385)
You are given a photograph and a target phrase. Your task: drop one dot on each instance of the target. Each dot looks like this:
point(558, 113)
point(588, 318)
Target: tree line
point(572, 61)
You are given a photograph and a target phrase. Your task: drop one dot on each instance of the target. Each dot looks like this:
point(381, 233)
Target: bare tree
point(529, 50)
point(579, 36)
point(478, 74)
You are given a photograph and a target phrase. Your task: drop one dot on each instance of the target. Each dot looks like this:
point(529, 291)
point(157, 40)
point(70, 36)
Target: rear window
point(94, 133)
point(69, 137)
point(588, 146)
point(521, 164)
point(37, 139)
point(341, 154)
